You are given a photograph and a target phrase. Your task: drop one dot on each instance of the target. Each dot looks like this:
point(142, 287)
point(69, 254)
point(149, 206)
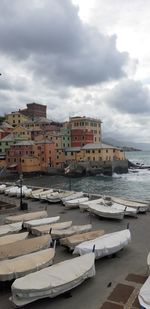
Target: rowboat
point(128, 211)
point(10, 228)
point(85, 205)
point(53, 280)
point(56, 197)
point(75, 195)
point(26, 216)
point(23, 265)
point(70, 204)
point(106, 211)
point(25, 246)
point(144, 295)
point(8, 239)
point(35, 192)
point(148, 260)
point(31, 223)
point(45, 229)
point(105, 245)
point(38, 195)
point(75, 229)
point(2, 188)
point(140, 206)
point(28, 193)
point(7, 189)
point(76, 239)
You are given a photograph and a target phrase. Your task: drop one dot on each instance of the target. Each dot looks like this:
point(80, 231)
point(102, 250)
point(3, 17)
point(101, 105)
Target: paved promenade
point(93, 292)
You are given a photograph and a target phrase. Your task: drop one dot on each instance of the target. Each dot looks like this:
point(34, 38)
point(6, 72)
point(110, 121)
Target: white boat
point(45, 229)
point(24, 246)
point(148, 260)
point(85, 205)
point(24, 189)
point(75, 195)
point(8, 239)
point(43, 194)
point(53, 281)
point(75, 229)
point(13, 191)
point(28, 193)
point(7, 189)
point(56, 197)
point(128, 211)
point(105, 245)
point(35, 192)
point(23, 265)
point(106, 211)
point(2, 188)
point(140, 206)
point(74, 240)
point(70, 204)
point(10, 228)
point(31, 223)
point(144, 295)
point(26, 216)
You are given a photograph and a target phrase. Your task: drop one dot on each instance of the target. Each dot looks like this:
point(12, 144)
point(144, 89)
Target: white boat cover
point(105, 245)
point(45, 229)
point(144, 294)
point(28, 193)
point(75, 229)
point(72, 196)
point(106, 211)
point(23, 265)
point(38, 222)
point(128, 211)
point(57, 196)
point(8, 239)
point(75, 202)
point(138, 205)
point(76, 239)
point(148, 260)
point(54, 280)
point(10, 228)
point(27, 216)
point(2, 188)
point(25, 246)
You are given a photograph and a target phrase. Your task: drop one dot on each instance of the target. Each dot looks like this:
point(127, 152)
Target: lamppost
point(21, 180)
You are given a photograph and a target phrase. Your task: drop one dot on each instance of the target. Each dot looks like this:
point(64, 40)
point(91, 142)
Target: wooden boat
point(38, 195)
point(105, 245)
point(10, 228)
point(31, 223)
point(70, 204)
point(140, 206)
point(128, 211)
point(53, 280)
point(106, 211)
point(144, 295)
point(75, 195)
point(75, 229)
point(56, 197)
point(25, 246)
point(4, 240)
point(76, 239)
point(85, 205)
point(26, 216)
point(35, 192)
point(45, 229)
point(23, 265)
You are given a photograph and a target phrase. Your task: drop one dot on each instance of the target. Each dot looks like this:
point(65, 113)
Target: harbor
point(110, 270)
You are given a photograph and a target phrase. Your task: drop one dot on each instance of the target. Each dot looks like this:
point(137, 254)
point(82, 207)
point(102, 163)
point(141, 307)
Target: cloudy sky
point(80, 57)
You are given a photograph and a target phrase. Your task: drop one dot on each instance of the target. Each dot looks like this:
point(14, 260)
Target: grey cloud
point(51, 40)
point(129, 96)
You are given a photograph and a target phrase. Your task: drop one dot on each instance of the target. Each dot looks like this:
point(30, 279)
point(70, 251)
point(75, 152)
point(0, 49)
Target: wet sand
point(93, 292)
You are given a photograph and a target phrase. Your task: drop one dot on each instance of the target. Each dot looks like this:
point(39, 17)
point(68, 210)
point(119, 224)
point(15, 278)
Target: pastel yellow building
point(101, 152)
point(21, 132)
point(15, 118)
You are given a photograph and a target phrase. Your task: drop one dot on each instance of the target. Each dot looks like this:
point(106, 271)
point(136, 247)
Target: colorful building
point(101, 152)
point(15, 118)
point(21, 133)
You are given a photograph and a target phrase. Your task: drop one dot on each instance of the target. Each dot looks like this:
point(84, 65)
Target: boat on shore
point(8, 239)
point(10, 228)
point(23, 265)
point(25, 246)
point(106, 211)
point(45, 229)
point(74, 203)
point(53, 281)
point(75, 229)
point(144, 295)
point(72, 196)
point(31, 223)
point(26, 216)
point(105, 245)
point(140, 206)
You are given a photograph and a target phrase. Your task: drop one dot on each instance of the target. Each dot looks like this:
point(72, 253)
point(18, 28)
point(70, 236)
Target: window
point(99, 151)
point(93, 151)
point(106, 150)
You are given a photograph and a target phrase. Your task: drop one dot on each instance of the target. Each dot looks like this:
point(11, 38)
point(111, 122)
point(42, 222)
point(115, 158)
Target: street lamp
point(21, 180)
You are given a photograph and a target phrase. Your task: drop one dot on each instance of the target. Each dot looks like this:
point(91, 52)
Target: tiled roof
point(99, 146)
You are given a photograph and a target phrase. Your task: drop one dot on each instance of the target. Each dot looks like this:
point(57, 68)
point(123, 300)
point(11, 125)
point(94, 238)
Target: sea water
point(134, 185)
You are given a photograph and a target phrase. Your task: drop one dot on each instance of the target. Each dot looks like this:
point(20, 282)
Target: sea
point(134, 185)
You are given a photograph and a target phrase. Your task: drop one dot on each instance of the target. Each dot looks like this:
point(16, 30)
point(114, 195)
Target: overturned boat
point(26, 216)
point(10, 228)
point(105, 245)
point(75, 229)
point(25, 246)
point(23, 265)
point(76, 239)
point(72, 196)
point(144, 295)
point(56, 197)
point(53, 281)
point(8, 239)
point(106, 211)
point(31, 223)
point(140, 206)
point(74, 203)
point(45, 229)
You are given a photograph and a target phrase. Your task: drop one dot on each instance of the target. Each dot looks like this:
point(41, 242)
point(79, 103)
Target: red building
point(34, 110)
point(81, 137)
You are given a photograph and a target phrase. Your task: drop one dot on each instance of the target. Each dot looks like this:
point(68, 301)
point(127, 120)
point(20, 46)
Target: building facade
point(34, 110)
point(15, 118)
